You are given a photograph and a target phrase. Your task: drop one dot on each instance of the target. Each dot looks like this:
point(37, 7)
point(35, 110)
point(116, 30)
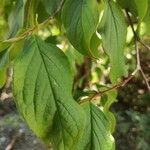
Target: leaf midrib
point(55, 97)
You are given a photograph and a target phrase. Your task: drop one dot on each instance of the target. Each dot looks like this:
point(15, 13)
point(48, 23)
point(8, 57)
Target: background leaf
point(97, 134)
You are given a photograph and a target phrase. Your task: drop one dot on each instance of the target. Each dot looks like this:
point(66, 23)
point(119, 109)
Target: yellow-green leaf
point(42, 87)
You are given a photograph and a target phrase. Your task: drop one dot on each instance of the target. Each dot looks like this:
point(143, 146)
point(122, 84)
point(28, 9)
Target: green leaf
point(75, 58)
point(16, 18)
point(113, 30)
point(97, 135)
point(4, 46)
point(15, 49)
point(42, 87)
point(112, 120)
point(80, 19)
point(111, 98)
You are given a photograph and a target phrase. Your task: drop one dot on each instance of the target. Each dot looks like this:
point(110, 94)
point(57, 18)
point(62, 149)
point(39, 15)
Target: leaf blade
point(45, 96)
point(113, 30)
point(97, 132)
point(80, 19)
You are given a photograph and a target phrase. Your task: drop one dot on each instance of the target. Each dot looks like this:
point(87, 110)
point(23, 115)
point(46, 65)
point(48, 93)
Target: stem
point(136, 40)
point(34, 29)
point(135, 35)
point(121, 84)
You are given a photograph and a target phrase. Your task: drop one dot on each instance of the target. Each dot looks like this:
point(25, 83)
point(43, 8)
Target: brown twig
point(36, 27)
point(101, 93)
point(136, 40)
point(144, 45)
point(138, 68)
point(145, 79)
point(121, 84)
point(134, 33)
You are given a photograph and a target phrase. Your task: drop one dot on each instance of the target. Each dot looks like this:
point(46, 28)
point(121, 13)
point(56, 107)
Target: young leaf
point(42, 87)
point(113, 31)
point(97, 135)
point(80, 19)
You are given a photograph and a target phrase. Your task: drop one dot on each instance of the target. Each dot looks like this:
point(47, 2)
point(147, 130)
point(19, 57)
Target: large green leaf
point(42, 86)
point(97, 135)
point(80, 19)
point(113, 31)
